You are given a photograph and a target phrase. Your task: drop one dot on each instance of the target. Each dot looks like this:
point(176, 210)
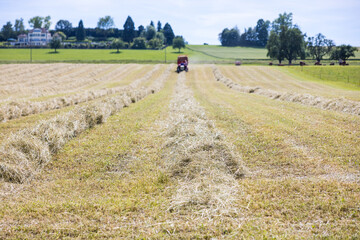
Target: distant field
point(346, 77)
point(196, 53)
point(98, 55)
point(230, 52)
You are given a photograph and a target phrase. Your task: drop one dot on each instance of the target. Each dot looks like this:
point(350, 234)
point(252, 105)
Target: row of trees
point(252, 37)
point(286, 41)
point(105, 29)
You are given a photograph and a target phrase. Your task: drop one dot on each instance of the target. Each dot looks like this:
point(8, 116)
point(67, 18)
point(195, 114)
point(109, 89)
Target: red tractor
point(182, 63)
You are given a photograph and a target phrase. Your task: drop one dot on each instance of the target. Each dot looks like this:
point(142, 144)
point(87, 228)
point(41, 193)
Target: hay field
point(187, 155)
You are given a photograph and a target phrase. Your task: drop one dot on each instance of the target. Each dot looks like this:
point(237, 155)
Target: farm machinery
point(182, 63)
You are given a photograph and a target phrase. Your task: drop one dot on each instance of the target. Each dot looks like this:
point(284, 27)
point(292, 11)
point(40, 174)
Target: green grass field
point(98, 55)
point(230, 52)
point(196, 53)
point(347, 77)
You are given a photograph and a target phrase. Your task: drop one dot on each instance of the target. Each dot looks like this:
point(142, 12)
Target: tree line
point(252, 37)
point(284, 40)
point(130, 37)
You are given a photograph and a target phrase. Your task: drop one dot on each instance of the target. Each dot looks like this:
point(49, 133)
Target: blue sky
point(199, 21)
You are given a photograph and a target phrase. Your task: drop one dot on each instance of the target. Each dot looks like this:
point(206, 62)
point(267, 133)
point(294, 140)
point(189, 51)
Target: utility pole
point(30, 50)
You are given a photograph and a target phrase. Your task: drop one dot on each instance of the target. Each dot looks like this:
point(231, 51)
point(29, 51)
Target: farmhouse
point(35, 37)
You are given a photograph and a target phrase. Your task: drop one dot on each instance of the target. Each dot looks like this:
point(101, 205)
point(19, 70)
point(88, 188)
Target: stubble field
point(139, 151)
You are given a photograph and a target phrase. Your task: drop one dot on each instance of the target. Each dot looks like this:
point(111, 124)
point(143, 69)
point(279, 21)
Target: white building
point(35, 37)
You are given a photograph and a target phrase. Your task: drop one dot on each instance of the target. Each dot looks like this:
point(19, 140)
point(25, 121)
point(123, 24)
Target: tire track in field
point(340, 105)
point(15, 110)
point(199, 158)
point(25, 152)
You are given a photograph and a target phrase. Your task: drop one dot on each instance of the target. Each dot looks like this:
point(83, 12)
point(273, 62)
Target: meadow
point(139, 151)
point(98, 56)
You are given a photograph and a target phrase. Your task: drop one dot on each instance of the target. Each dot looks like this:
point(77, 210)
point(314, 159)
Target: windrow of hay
point(42, 79)
point(202, 161)
point(25, 152)
point(340, 104)
point(15, 110)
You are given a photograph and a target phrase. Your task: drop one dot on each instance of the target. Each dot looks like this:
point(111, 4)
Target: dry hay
point(15, 110)
point(340, 104)
point(198, 156)
point(25, 152)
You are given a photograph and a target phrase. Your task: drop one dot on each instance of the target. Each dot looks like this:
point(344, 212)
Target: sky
point(199, 21)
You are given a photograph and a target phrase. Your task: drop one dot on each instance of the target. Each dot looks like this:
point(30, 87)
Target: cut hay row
point(15, 110)
point(25, 152)
point(340, 104)
point(198, 156)
point(56, 78)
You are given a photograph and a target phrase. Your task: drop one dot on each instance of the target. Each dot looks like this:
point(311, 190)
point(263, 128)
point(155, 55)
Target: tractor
point(182, 62)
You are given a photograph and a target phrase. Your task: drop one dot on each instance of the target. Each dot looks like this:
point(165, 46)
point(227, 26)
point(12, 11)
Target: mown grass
point(298, 157)
point(105, 184)
point(347, 77)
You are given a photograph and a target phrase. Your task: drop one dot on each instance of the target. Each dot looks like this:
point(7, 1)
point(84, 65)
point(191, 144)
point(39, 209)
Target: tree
point(19, 26)
point(64, 26)
point(178, 43)
point(55, 44)
point(80, 33)
point(274, 48)
point(284, 20)
point(40, 22)
point(155, 43)
point(168, 33)
point(36, 22)
point(160, 36)
point(319, 46)
point(139, 43)
point(262, 32)
point(343, 52)
point(140, 29)
point(61, 35)
point(292, 43)
point(117, 43)
point(47, 22)
point(286, 40)
point(159, 26)
point(150, 32)
point(230, 37)
point(129, 30)
point(7, 31)
point(152, 24)
point(105, 23)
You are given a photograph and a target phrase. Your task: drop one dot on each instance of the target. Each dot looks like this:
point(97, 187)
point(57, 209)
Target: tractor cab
point(182, 62)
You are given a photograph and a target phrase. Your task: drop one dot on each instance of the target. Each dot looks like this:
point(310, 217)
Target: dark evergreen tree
point(159, 26)
point(152, 24)
point(129, 30)
point(262, 32)
point(80, 33)
point(168, 33)
point(7, 31)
